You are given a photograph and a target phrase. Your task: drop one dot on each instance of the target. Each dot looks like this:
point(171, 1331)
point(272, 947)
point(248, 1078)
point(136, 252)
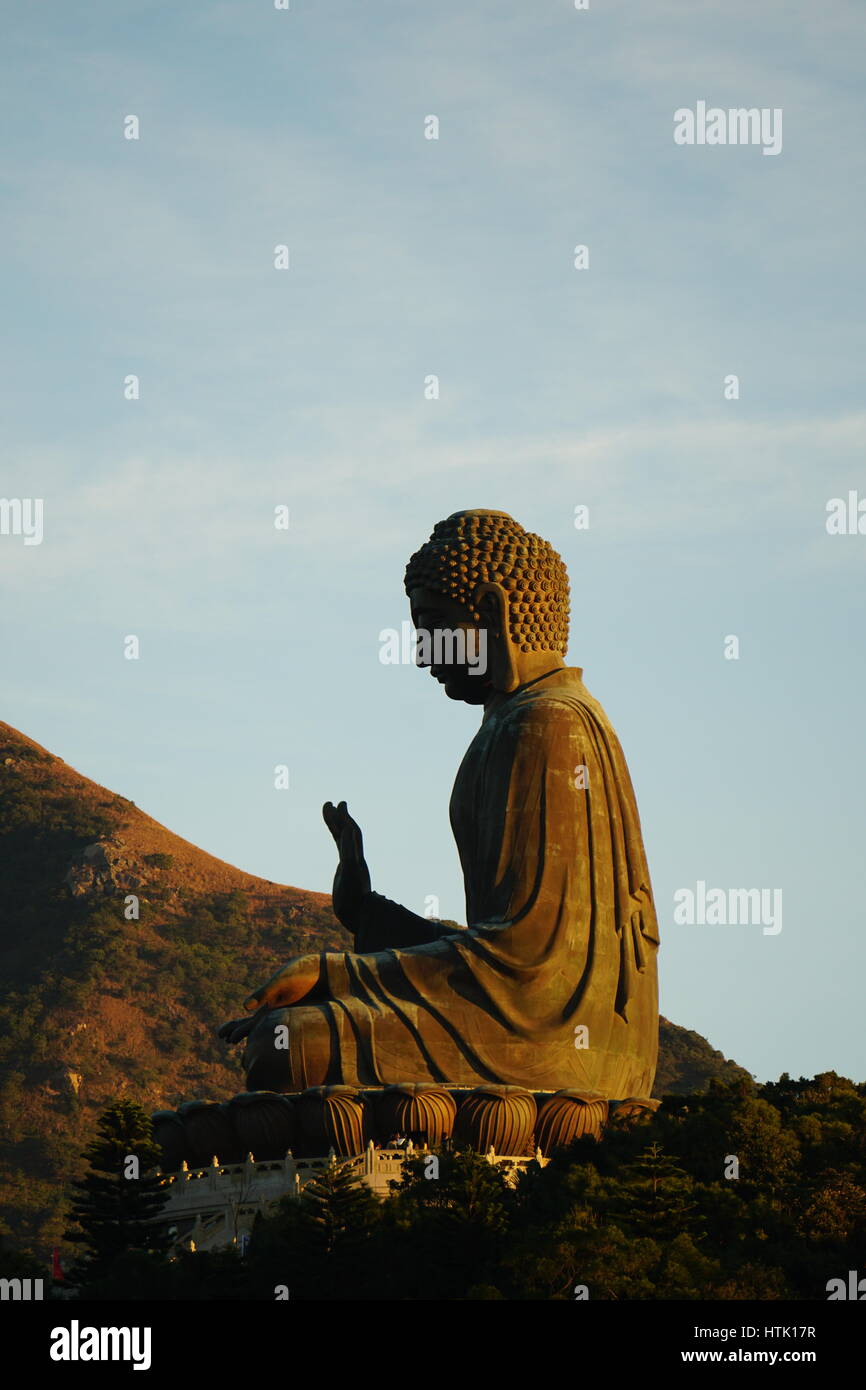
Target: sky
point(558, 387)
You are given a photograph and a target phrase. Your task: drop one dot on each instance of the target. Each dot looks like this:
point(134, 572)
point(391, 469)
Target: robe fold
point(553, 983)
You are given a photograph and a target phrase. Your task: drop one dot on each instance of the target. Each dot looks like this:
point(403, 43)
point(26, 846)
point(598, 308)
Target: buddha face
point(453, 646)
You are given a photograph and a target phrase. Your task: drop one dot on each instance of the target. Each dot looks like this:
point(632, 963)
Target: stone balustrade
point(217, 1205)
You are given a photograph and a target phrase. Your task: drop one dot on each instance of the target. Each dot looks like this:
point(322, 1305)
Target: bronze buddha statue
point(552, 983)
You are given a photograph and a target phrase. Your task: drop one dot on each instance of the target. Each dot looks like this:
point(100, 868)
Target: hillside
point(93, 1006)
point(687, 1061)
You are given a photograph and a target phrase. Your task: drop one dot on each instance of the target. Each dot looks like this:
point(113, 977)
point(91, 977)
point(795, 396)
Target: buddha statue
point(551, 985)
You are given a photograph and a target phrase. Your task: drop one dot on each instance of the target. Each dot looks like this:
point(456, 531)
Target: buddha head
point(490, 604)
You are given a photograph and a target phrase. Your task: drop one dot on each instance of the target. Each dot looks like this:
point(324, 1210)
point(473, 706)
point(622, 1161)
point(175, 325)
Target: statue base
point(510, 1121)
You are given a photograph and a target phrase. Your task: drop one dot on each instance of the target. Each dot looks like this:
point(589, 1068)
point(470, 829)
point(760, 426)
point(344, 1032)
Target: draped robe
point(552, 984)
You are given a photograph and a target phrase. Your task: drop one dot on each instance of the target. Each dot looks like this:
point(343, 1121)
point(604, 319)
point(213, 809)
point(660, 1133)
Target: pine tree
point(118, 1199)
point(337, 1209)
point(658, 1197)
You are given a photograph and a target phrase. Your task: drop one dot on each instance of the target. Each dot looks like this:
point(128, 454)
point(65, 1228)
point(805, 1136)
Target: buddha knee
point(267, 1059)
point(289, 1050)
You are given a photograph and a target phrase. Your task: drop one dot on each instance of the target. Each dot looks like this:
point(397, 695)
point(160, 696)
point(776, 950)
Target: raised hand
point(352, 879)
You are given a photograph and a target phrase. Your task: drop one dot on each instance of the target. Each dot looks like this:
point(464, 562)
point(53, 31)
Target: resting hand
point(296, 981)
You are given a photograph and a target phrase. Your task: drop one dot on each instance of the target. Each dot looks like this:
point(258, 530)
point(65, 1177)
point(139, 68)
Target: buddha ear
point(491, 602)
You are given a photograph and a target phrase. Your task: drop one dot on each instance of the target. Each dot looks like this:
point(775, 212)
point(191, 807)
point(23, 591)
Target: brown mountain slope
point(198, 871)
point(95, 1003)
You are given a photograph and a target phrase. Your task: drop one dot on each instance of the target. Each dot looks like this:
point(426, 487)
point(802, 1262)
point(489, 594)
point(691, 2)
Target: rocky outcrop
point(103, 869)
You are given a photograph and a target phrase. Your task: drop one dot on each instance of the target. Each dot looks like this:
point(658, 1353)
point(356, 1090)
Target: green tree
point(119, 1197)
point(19, 1263)
point(322, 1246)
point(768, 1152)
point(449, 1222)
point(337, 1209)
point(657, 1197)
point(159, 860)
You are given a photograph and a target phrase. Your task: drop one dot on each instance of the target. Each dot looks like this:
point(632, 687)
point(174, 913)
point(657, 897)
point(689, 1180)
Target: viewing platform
point(216, 1205)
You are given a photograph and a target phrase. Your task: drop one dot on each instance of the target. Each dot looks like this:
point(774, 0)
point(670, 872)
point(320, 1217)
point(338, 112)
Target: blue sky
point(558, 387)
